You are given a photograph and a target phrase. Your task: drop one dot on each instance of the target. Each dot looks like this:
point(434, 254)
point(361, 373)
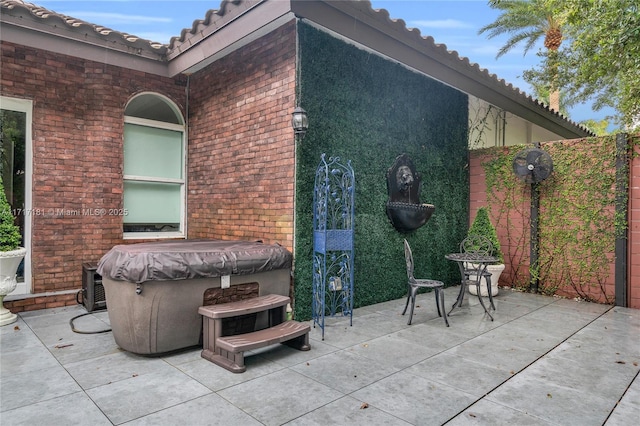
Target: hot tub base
point(164, 317)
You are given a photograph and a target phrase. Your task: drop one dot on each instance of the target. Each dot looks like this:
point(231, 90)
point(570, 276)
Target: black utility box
point(93, 297)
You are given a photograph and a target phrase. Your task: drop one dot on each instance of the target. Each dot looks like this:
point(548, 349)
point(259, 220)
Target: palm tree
point(527, 21)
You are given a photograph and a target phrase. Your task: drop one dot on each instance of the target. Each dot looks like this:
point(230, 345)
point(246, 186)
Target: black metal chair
point(476, 244)
point(480, 245)
point(413, 284)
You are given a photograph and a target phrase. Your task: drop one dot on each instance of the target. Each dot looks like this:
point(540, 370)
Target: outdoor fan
point(533, 165)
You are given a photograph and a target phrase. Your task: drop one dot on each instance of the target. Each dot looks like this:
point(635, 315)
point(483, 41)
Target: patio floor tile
point(72, 409)
point(145, 394)
point(30, 387)
point(206, 410)
point(279, 397)
point(345, 371)
point(347, 411)
point(485, 412)
point(551, 402)
point(414, 399)
point(542, 361)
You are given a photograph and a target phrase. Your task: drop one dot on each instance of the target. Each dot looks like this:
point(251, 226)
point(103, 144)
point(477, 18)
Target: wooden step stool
point(228, 351)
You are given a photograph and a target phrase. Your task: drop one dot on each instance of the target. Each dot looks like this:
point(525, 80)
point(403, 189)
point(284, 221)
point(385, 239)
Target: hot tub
point(153, 290)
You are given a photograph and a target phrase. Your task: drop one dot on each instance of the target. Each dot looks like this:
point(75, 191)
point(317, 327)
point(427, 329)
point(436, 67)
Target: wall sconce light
point(299, 121)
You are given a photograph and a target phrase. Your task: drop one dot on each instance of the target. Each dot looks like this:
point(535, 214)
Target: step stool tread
point(243, 307)
point(277, 334)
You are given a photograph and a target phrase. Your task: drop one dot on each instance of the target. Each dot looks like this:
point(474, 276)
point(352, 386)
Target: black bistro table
point(482, 260)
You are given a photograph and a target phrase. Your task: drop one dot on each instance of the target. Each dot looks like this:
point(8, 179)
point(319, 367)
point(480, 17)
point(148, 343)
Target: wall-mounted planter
point(404, 209)
point(407, 217)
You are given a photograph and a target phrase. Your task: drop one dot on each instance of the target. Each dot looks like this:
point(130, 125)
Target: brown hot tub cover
point(186, 259)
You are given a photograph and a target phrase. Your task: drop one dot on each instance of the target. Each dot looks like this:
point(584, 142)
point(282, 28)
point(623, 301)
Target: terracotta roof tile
point(213, 17)
point(75, 24)
point(229, 8)
point(464, 62)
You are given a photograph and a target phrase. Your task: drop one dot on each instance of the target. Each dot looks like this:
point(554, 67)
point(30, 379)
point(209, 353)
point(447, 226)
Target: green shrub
point(10, 237)
point(482, 226)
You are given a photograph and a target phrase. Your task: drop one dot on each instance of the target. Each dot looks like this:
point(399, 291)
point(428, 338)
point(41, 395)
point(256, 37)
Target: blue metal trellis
point(333, 235)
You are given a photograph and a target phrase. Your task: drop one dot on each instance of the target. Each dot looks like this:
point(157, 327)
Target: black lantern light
point(299, 121)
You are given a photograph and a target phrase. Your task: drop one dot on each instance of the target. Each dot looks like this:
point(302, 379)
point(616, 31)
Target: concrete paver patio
point(543, 361)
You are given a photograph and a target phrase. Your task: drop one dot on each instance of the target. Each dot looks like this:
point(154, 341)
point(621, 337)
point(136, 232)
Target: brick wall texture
point(509, 229)
point(240, 152)
point(241, 145)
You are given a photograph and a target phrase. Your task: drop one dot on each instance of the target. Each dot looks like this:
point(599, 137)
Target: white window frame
point(166, 126)
point(25, 106)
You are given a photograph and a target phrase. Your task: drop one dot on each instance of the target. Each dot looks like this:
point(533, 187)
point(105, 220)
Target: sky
point(454, 23)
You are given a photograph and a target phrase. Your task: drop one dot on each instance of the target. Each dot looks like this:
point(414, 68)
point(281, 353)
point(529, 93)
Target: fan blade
point(540, 173)
point(521, 170)
point(520, 160)
point(520, 164)
point(533, 156)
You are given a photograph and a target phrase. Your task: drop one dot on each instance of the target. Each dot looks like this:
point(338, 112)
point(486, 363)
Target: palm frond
point(525, 21)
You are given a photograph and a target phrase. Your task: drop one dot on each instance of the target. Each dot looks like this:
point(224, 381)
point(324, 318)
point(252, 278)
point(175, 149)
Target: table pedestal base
point(463, 289)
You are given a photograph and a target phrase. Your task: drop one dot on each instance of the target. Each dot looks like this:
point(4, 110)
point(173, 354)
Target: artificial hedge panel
point(369, 110)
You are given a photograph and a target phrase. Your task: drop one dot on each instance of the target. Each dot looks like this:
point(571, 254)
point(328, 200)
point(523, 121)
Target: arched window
point(154, 168)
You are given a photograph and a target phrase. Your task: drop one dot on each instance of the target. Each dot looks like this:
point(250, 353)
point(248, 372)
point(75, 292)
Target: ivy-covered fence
point(578, 224)
point(369, 110)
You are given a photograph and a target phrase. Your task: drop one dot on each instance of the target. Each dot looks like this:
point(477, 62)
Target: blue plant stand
point(333, 235)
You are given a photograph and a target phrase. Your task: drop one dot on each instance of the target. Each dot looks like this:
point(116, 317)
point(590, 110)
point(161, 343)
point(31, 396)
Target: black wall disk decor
point(404, 209)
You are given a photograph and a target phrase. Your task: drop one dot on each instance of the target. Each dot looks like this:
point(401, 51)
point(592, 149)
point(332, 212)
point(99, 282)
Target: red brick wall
point(512, 231)
point(241, 145)
point(509, 228)
point(78, 109)
point(241, 152)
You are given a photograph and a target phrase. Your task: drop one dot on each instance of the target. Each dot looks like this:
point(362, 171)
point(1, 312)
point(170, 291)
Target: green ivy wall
point(366, 109)
point(577, 219)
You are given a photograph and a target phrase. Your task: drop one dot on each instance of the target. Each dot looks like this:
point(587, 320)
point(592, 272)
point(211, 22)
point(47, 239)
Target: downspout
point(295, 163)
point(501, 128)
point(534, 239)
point(186, 156)
point(504, 128)
point(296, 103)
point(621, 220)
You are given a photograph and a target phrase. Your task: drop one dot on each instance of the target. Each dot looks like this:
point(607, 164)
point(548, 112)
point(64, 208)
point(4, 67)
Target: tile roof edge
point(39, 12)
point(229, 6)
point(441, 48)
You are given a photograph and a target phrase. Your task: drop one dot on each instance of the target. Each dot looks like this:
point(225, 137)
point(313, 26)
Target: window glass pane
point(152, 152)
point(152, 203)
point(152, 107)
point(13, 129)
